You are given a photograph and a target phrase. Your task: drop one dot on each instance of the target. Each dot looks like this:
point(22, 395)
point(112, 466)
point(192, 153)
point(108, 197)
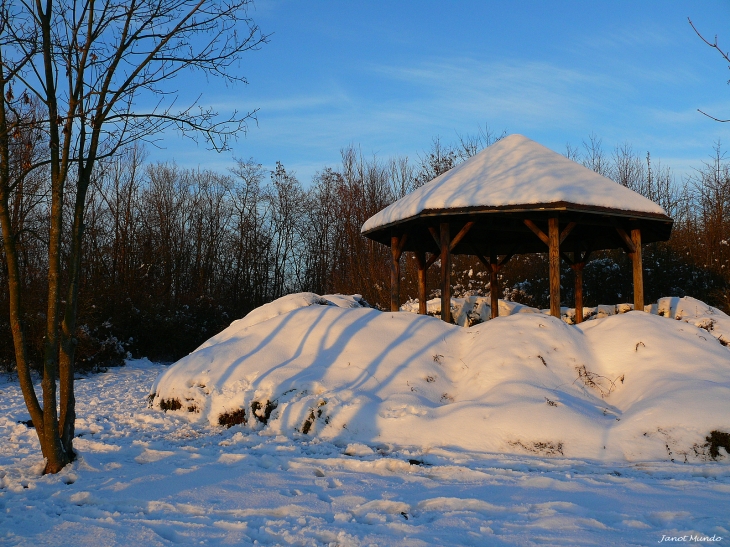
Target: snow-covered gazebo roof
point(517, 196)
point(517, 175)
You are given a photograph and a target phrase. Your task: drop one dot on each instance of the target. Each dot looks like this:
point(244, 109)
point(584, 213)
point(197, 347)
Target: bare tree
point(470, 144)
point(285, 200)
point(437, 161)
point(320, 230)
point(594, 158)
point(710, 188)
point(723, 53)
point(571, 152)
point(94, 66)
point(250, 237)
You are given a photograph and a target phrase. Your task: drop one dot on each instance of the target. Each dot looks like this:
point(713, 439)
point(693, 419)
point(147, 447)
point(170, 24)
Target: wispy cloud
point(532, 93)
point(397, 108)
point(286, 104)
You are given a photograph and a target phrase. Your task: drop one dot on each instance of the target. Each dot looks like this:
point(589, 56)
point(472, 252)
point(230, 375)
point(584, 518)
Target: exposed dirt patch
point(313, 415)
point(717, 440)
point(548, 448)
point(170, 404)
point(262, 412)
point(233, 417)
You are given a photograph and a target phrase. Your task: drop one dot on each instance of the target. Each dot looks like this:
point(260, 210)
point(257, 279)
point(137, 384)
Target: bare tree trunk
point(56, 457)
point(14, 277)
point(70, 57)
point(68, 325)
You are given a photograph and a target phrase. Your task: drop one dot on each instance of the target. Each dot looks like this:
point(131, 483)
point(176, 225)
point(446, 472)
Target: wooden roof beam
point(537, 231)
point(398, 244)
point(457, 238)
point(462, 233)
point(626, 239)
point(567, 258)
point(435, 235)
point(566, 231)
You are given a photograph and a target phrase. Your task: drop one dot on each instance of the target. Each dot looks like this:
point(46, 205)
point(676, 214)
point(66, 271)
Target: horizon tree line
point(175, 254)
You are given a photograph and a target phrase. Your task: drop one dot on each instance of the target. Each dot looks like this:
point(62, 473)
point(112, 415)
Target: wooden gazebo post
point(638, 270)
point(493, 284)
point(445, 243)
point(633, 248)
point(394, 274)
point(493, 265)
point(554, 258)
point(577, 265)
point(553, 239)
point(578, 270)
point(421, 262)
point(396, 250)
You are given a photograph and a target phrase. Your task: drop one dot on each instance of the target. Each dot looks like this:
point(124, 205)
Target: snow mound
point(629, 387)
point(697, 313)
point(347, 300)
point(289, 303)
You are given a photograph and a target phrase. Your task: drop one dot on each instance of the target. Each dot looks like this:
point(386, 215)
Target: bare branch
point(724, 54)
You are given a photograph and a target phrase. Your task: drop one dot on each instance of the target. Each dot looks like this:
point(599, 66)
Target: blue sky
point(391, 76)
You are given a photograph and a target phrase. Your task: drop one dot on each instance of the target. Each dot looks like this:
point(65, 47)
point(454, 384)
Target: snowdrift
point(632, 386)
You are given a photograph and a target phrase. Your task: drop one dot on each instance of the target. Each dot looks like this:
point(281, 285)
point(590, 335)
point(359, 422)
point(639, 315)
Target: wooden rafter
point(626, 239)
point(506, 258)
point(435, 234)
point(537, 231)
point(554, 261)
point(462, 233)
point(566, 231)
point(402, 243)
point(445, 240)
point(421, 260)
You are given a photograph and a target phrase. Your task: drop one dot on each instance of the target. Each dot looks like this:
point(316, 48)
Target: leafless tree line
point(175, 254)
point(698, 203)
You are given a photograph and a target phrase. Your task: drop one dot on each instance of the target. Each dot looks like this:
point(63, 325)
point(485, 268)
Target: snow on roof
point(514, 171)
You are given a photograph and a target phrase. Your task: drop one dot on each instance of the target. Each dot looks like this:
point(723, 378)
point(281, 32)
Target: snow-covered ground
point(500, 441)
point(150, 478)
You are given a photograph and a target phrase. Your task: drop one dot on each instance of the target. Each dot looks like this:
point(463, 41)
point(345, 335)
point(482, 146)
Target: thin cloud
point(534, 93)
point(287, 104)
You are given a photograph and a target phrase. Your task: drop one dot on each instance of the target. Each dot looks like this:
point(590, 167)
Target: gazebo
point(515, 197)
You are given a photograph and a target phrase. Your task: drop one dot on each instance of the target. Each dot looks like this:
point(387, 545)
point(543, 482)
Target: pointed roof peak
point(515, 172)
